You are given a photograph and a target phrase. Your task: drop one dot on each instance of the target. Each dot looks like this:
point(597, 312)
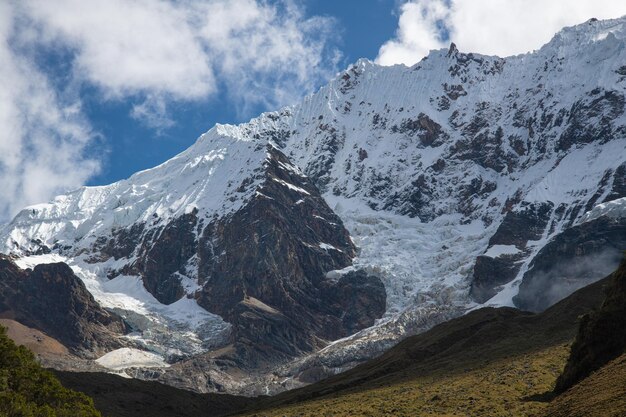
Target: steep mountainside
point(490, 362)
point(315, 237)
point(52, 299)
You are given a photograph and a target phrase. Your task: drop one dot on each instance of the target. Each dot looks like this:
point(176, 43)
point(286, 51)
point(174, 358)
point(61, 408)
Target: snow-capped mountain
point(390, 200)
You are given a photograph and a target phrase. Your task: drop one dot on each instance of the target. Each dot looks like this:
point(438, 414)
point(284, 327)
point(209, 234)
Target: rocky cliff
point(53, 299)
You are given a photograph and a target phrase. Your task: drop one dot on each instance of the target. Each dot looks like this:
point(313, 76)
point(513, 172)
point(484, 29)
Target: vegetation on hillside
point(490, 362)
point(499, 389)
point(27, 390)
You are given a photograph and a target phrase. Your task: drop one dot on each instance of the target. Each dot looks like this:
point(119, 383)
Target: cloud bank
point(44, 138)
point(491, 27)
point(150, 53)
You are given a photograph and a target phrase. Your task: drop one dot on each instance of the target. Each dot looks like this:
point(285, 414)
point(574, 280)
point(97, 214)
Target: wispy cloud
point(493, 27)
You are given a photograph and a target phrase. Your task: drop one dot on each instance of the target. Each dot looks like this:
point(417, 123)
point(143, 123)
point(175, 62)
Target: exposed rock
point(576, 257)
point(264, 268)
point(454, 91)
point(52, 299)
point(523, 224)
point(526, 223)
point(163, 255)
point(591, 119)
point(618, 188)
point(491, 273)
point(358, 298)
point(429, 131)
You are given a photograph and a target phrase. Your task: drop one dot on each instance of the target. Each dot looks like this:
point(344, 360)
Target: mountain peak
point(424, 189)
point(571, 39)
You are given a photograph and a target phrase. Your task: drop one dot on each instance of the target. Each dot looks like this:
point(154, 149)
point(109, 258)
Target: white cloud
point(265, 55)
point(127, 47)
point(260, 52)
point(418, 32)
point(494, 27)
point(43, 137)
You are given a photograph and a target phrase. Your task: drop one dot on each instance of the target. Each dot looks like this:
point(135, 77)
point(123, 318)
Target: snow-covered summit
point(208, 177)
point(450, 175)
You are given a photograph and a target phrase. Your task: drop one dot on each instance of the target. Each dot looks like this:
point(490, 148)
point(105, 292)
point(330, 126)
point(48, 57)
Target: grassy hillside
point(490, 362)
point(121, 397)
point(497, 389)
point(26, 390)
point(602, 394)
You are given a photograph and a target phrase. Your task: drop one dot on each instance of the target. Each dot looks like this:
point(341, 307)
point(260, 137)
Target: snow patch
point(291, 186)
point(615, 209)
point(125, 358)
point(327, 246)
point(499, 250)
point(34, 260)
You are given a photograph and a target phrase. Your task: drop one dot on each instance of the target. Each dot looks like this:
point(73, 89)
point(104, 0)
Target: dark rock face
point(163, 254)
point(490, 273)
point(427, 130)
point(121, 244)
point(483, 147)
point(591, 119)
point(53, 300)
point(263, 269)
point(518, 228)
point(358, 298)
point(618, 188)
point(577, 257)
point(522, 224)
point(601, 335)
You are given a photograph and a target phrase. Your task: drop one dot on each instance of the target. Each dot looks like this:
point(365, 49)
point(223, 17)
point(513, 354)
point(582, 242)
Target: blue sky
point(93, 91)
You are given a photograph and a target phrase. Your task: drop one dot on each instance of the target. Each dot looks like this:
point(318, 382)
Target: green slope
point(27, 390)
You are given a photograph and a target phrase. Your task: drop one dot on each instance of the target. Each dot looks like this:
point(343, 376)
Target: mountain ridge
point(429, 190)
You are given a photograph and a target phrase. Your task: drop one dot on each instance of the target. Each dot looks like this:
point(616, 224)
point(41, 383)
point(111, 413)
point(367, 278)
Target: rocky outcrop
point(601, 335)
point(264, 270)
point(427, 130)
point(163, 255)
point(524, 224)
point(618, 188)
point(52, 299)
point(573, 259)
point(491, 273)
point(591, 119)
